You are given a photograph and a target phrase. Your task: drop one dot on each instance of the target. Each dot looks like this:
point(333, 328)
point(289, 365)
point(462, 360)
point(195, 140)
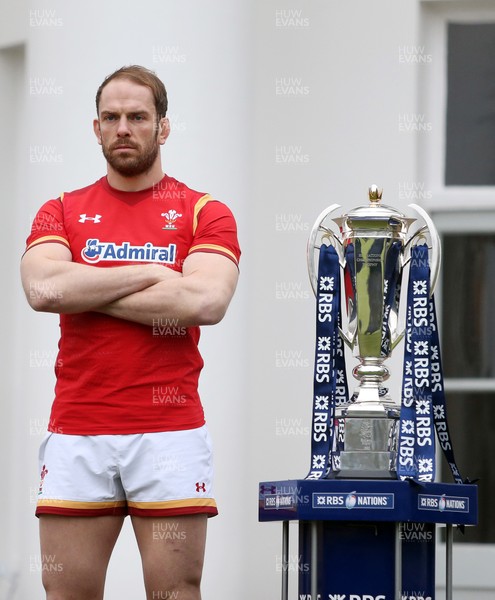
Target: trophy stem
point(371, 398)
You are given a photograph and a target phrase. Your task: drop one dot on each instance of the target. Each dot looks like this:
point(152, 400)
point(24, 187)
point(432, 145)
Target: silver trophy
point(373, 243)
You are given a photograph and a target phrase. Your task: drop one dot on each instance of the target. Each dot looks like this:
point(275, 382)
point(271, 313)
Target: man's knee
point(62, 588)
point(184, 589)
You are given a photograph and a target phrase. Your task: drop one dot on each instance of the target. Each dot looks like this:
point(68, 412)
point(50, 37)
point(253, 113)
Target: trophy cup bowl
point(373, 243)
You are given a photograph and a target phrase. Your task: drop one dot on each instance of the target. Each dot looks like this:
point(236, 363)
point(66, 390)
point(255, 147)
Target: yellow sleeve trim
point(49, 238)
point(215, 248)
point(197, 207)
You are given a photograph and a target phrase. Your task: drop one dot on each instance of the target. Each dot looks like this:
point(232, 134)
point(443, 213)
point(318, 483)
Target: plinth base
point(358, 560)
point(366, 540)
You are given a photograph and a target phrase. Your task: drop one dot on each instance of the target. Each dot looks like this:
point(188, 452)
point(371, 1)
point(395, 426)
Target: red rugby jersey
point(116, 376)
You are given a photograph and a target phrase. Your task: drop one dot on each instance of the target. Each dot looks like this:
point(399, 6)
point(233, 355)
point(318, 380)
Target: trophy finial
point(375, 194)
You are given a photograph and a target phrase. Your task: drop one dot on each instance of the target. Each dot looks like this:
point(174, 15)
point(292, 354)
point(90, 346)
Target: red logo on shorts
point(200, 487)
point(44, 471)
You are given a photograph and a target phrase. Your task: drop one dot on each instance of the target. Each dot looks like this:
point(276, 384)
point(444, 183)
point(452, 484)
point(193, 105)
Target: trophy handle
point(312, 244)
point(436, 248)
point(312, 264)
point(436, 256)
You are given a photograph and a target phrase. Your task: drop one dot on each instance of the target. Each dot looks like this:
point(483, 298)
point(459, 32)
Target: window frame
point(434, 20)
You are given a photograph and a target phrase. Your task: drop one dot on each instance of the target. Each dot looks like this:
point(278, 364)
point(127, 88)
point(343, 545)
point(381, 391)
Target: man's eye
point(109, 118)
point(137, 118)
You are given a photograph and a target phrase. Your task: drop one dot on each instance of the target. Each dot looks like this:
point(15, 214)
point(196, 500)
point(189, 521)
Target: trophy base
point(366, 446)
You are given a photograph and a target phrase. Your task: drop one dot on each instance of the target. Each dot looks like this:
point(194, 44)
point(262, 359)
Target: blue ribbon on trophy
point(438, 398)
point(381, 242)
point(423, 399)
point(330, 376)
point(416, 457)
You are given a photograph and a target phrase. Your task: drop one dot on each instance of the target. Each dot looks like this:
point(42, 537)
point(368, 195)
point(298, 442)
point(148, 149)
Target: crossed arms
point(143, 293)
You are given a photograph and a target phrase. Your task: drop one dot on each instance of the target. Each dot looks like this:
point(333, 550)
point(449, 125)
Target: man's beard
point(134, 163)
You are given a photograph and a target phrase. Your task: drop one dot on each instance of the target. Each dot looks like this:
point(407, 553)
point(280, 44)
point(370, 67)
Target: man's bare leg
point(172, 551)
point(75, 552)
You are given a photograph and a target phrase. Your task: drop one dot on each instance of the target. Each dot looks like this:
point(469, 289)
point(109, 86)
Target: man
point(134, 264)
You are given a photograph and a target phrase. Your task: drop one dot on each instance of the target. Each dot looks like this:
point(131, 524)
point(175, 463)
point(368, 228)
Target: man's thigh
point(75, 552)
point(172, 551)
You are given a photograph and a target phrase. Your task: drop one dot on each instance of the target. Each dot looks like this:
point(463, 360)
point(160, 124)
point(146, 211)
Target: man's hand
point(200, 296)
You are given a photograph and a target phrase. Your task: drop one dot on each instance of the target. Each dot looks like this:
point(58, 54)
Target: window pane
point(472, 426)
point(470, 152)
point(468, 311)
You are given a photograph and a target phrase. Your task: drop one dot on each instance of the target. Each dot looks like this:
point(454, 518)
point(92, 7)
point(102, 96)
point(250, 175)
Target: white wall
point(200, 51)
point(12, 409)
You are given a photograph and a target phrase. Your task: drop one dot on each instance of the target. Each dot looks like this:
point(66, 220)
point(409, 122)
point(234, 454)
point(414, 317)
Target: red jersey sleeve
point(48, 225)
point(215, 230)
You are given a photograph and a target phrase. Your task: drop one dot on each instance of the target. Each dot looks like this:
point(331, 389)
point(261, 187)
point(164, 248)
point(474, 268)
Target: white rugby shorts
point(168, 473)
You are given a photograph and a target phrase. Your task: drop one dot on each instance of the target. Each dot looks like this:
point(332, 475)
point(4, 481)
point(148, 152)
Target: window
point(468, 343)
point(469, 305)
point(470, 127)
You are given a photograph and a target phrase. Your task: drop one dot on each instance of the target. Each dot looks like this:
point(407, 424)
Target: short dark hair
point(141, 76)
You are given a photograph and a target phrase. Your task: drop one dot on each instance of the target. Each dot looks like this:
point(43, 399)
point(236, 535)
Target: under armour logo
point(271, 489)
point(200, 487)
point(84, 217)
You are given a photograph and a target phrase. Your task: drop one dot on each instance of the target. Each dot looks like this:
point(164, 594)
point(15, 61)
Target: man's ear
point(163, 130)
point(96, 129)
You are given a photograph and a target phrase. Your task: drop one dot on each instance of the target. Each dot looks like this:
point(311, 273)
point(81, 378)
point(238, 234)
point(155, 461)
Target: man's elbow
point(213, 309)
point(43, 304)
point(39, 294)
point(36, 304)
point(41, 299)
point(211, 315)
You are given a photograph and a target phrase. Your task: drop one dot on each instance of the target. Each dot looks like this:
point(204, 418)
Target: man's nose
point(123, 129)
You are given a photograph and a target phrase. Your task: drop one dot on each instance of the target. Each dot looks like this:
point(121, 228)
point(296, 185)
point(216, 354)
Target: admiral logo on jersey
point(96, 251)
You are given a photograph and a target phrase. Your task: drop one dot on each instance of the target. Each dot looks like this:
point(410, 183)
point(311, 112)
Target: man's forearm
point(183, 302)
point(67, 287)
